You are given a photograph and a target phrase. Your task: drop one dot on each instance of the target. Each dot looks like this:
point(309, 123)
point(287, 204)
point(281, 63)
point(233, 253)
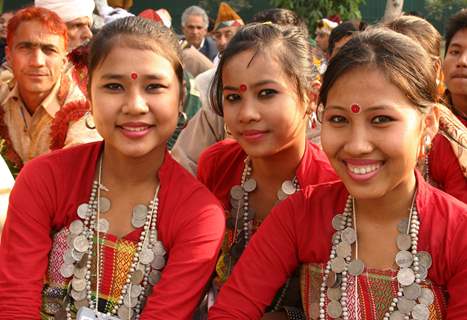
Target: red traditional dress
point(44, 202)
point(298, 232)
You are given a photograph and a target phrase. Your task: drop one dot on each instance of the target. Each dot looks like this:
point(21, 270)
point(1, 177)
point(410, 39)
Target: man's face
point(36, 57)
point(79, 30)
point(194, 30)
point(223, 37)
point(322, 40)
point(455, 64)
point(4, 18)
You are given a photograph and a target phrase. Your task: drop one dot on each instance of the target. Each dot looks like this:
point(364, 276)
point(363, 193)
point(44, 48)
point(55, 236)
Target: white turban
point(68, 10)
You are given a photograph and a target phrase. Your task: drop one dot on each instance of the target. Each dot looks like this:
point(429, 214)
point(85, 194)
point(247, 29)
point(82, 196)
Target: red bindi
point(243, 87)
point(134, 75)
point(355, 108)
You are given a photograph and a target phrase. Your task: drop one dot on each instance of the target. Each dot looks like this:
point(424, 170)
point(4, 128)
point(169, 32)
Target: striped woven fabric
point(376, 289)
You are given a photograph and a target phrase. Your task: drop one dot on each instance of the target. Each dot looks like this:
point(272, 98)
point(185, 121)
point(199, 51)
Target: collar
point(202, 43)
point(51, 103)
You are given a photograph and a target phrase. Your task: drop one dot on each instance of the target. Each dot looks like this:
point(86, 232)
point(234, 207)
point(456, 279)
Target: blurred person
point(4, 18)
point(195, 23)
point(339, 36)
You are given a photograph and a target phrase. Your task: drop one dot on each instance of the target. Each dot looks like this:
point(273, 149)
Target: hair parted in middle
point(288, 44)
point(403, 61)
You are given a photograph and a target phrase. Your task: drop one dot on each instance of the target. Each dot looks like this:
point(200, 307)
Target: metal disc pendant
point(78, 295)
point(66, 270)
point(424, 258)
point(80, 243)
point(136, 290)
point(137, 277)
point(405, 276)
point(129, 302)
point(146, 256)
point(356, 267)
point(158, 248)
point(405, 305)
point(124, 312)
point(413, 291)
point(79, 273)
point(236, 192)
point(136, 223)
point(249, 185)
point(343, 250)
point(82, 211)
point(158, 262)
point(76, 227)
point(334, 309)
point(338, 222)
point(140, 211)
point(288, 187)
point(403, 226)
point(281, 195)
point(103, 225)
point(404, 259)
point(104, 204)
point(349, 235)
point(396, 315)
point(427, 297)
point(404, 242)
point(334, 294)
point(420, 312)
point(78, 284)
point(338, 265)
point(154, 277)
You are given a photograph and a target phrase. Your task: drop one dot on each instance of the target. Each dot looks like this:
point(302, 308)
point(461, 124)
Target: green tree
point(440, 10)
point(314, 10)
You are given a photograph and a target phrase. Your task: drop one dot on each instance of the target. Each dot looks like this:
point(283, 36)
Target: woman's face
point(372, 134)
point(261, 107)
point(135, 100)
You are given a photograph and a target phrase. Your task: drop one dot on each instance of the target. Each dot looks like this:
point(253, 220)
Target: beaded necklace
point(144, 272)
point(412, 300)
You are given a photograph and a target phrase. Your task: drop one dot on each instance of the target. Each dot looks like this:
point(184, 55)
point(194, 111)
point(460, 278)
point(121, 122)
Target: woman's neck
point(129, 171)
point(396, 204)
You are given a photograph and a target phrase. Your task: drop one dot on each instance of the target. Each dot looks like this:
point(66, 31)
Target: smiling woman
point(382, 243)
point(102, 223)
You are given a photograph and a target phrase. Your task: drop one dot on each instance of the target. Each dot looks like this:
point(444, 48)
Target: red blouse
point(299, 231)
point(45, 198)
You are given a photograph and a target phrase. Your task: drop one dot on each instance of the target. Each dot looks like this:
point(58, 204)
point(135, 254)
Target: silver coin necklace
point(144, 272)
point(412, 300)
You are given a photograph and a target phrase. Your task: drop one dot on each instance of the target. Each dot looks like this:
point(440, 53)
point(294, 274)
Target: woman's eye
point(155, 86)
point(382, 119)
point(267, 92)
point(113, 86)
point(232, 97)
point(336, 119)
point(454, 52)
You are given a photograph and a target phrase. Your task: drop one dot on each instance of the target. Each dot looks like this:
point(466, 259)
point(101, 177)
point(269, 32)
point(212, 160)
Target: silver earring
point(87, 119)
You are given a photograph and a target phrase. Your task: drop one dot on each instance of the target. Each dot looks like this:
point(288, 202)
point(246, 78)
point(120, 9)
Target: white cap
point(68, 10)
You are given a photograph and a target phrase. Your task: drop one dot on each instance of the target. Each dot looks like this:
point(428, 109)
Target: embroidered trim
point(72, 111)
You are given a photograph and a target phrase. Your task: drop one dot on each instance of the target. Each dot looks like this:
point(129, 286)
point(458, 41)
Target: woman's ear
point(431, 122)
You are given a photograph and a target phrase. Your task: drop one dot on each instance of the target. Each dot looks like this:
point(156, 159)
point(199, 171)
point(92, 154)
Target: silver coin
point(158, 262)
point(136, 277)
point(158, 248)
point(136, 290)
point(427, 297)
point(76, 255)
point(356, 267)
point(79, 273)
point(338, 264)
point(124, 312)
point(338, 222)
point(349, 235)
point(413, 291)
point(405, 305)
point(104, 204)
point(336, 237)
point(404, 242)
point(288, 187)
point(404, 259)
point(146, 256)
point(78, 284)
point(70, 238)
point(138, 223)
point(420, 312)
point(334, 294)
point(396, 315)
point(331, 279)
point(314, 310)
point(405, 276)
point(343, 250)
point(129, 302)
point(67, 257)
point(81, 303)
point(236, 192)
point(82, 211)
point(249, 185)
point(154, 277)
point(236, 203)
point(424, 259)
point(78, 295)
point(76, 227)
point(403, 226)
point(81, 244)
point(334, 309)
point(140, 211)
point(422, 271)
point(281, 195)
point(103, 225)
point(66, 270)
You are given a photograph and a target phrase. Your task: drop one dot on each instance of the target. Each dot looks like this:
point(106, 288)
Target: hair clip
point(243, 88)
point(355, 108)
point(134, 76)
point(267, 22)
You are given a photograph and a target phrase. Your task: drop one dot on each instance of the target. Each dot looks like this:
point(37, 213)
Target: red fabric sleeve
point(445, 169)
point(252, 286)
point(25, 244)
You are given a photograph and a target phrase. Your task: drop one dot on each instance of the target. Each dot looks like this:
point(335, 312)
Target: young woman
point(115, 227)
point(264, 90)
point(383, 243)
point(445, 165)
